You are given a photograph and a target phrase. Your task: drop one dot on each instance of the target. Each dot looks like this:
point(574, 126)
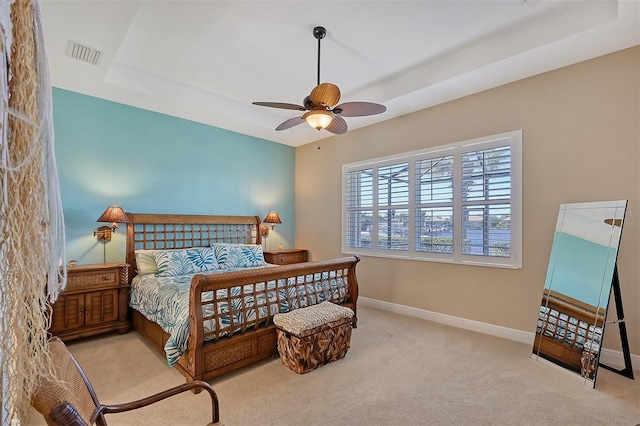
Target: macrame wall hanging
point(31, 220)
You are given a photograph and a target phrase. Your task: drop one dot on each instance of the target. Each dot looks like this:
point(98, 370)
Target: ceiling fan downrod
point(319, 33)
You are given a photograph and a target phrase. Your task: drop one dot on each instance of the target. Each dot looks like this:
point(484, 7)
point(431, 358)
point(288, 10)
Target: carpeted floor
point(399, 371)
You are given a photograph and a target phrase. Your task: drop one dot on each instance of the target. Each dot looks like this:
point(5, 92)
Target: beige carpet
point(399, 371)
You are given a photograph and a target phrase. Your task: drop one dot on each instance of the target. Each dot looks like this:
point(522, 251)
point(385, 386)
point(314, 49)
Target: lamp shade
point(272, 218)
point(318, 118)
point(114, 214)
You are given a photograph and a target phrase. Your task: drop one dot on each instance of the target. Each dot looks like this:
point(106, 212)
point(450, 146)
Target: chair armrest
point(65, 414)
point(196, 384)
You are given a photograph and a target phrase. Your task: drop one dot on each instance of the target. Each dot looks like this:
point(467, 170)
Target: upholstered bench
point(313, 336)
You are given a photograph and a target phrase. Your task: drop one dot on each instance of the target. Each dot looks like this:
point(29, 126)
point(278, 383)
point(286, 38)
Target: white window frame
point(512, 139)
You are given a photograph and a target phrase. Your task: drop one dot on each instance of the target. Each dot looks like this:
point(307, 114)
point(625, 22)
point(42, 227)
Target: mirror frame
point(571, 318)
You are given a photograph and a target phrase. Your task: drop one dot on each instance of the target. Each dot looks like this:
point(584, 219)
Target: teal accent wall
point(108, 153)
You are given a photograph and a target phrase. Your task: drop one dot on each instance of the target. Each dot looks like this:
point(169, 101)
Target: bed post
point(353, 290)
point(130, 249)
point(196, 330)
point(258, 231)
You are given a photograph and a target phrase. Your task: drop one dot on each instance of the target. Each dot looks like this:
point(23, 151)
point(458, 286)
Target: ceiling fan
point(322, 111)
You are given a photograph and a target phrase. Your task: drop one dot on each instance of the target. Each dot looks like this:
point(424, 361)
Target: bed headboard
point(175, 231)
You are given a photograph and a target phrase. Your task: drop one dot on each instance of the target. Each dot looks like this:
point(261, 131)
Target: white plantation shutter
point(434, 204)
point(486, 206)
point(459, 203)
point(393, 206)
point(359, 208)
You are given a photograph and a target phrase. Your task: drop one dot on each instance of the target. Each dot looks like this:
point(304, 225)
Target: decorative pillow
point(254, 254)
point(145, 262)
point(230, 256)
point(172, 263)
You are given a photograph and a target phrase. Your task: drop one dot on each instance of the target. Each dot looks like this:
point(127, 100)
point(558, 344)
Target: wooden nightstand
point(285, 257)
point(94, 301)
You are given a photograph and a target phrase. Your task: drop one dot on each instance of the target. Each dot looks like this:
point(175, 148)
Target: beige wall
point(581, 138)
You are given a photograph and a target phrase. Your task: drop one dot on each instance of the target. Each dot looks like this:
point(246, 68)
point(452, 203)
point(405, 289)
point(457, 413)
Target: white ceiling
point(207, 61)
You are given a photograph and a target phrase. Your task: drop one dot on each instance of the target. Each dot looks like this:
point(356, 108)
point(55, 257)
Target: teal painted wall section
point(109, 153)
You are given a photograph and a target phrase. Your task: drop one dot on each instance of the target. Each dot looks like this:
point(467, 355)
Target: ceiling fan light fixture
point(322, 111)
point(318, 118)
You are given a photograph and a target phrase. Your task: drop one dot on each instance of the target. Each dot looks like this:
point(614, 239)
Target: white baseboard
point(615, 359)
point(608, 356)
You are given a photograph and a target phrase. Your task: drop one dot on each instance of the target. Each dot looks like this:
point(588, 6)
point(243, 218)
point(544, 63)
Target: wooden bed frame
point(212, 354)
point(552, 342)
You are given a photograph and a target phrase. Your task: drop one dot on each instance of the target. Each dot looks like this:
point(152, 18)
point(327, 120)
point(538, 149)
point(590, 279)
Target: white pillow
point(145, 262)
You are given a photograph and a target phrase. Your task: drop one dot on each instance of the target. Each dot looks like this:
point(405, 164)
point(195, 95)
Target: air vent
point(84, 53)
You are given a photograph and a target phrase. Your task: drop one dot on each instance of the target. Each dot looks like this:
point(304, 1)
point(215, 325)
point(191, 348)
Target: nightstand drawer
point(92, 279)
point(286, 257)
point(291, 258)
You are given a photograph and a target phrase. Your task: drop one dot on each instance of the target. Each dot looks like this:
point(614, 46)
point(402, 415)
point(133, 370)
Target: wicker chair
point(71, 400)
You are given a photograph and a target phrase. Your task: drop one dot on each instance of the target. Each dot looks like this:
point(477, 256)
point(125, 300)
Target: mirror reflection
point(578, 285)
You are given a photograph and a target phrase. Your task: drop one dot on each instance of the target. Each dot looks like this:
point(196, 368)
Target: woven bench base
point(318, 346)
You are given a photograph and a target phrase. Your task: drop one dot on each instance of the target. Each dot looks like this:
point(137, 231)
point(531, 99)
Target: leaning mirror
point(577, 288)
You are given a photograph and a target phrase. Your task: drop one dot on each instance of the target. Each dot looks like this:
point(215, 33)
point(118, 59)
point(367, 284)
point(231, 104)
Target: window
point(459, 202)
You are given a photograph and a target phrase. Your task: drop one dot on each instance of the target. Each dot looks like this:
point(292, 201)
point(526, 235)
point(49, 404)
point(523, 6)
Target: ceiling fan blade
point(326, 94)
point(290, 123)
point(337, 125)
point(282, 105)
point(359, 109)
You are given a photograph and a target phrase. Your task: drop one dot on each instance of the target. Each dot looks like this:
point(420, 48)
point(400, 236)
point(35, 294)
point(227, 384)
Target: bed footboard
point(244, 303)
